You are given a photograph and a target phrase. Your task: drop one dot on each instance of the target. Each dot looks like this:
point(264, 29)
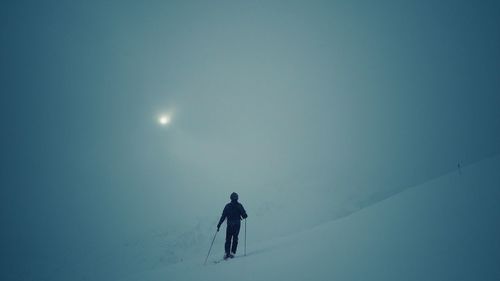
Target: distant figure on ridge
point(234, 212)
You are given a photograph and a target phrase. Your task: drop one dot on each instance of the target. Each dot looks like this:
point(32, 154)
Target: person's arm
point(222, 218)
point(243, 213)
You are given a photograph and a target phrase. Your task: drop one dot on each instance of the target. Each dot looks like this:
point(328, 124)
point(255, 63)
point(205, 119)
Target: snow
point(445, 229)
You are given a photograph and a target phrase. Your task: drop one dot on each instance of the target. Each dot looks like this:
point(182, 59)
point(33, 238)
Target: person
point(234, 213)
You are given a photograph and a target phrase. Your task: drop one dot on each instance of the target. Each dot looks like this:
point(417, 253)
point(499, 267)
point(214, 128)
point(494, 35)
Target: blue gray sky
point(370, 96)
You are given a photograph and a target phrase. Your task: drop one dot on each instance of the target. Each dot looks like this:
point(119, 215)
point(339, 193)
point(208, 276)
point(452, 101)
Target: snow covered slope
point(445, 229)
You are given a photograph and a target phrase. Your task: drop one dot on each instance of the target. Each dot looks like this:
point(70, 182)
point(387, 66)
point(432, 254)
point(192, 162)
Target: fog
point(329, 99)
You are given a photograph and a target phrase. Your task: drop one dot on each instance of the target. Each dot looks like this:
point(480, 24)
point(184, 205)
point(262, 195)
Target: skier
point(234, 212)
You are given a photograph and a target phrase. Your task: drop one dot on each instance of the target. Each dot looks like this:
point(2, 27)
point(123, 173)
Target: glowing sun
point(164, 120)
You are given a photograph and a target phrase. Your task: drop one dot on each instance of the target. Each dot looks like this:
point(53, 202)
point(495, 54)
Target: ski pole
point(245, 237)
point(215, 235)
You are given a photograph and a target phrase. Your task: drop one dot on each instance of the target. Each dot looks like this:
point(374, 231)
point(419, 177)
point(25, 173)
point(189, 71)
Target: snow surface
point(445, 229)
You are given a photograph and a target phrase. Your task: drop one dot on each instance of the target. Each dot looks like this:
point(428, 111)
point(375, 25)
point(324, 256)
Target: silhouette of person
point(234, 213)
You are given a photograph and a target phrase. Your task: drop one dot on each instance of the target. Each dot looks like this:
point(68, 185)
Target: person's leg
point(236, 231)
point(228, 239)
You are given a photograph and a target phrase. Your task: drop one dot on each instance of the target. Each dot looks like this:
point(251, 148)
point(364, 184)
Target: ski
point(224, 259)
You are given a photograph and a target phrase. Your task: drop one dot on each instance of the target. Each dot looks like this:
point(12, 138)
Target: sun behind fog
point(164, 120)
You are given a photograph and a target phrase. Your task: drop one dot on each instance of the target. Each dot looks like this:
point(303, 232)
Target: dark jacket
point(233, 211)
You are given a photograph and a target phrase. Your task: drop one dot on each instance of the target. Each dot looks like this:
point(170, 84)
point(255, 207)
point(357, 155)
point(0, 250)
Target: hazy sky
point(372, 95)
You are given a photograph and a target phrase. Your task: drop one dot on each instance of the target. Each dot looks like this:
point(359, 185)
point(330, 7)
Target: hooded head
point(234, 196)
